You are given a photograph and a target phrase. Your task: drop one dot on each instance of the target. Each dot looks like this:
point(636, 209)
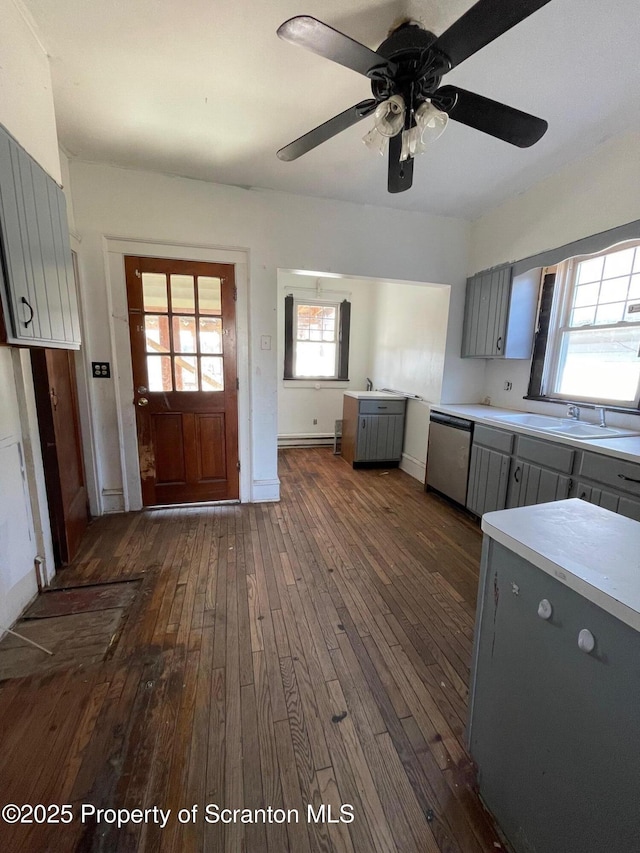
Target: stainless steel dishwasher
point(448, 455)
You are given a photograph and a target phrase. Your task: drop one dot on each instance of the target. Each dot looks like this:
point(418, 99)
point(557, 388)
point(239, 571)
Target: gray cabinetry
point(499, 314)
point(373, 429)
point(489, 469)
point(553, 730)
point(539, 472)
point(37, 284)
point(610, 483)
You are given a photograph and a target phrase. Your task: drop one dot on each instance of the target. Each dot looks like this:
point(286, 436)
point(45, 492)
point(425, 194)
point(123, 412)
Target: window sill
point(623, 410)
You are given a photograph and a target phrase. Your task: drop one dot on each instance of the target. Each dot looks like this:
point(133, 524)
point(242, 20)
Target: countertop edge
point(596, 595)
point(594, 445)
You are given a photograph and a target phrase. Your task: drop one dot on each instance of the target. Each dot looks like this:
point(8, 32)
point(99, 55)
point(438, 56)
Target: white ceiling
point(205, 89)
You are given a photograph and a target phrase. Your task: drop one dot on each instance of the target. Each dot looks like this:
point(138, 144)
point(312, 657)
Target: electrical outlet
point(508, 385)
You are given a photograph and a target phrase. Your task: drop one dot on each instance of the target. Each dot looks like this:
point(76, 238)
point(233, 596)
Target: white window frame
point(558, 326)
point(316, 303)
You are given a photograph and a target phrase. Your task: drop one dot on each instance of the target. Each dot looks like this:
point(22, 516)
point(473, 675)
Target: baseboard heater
point(319, 440)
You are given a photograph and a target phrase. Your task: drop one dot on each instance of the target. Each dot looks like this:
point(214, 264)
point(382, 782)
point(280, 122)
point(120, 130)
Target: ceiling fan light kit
point(410, 107)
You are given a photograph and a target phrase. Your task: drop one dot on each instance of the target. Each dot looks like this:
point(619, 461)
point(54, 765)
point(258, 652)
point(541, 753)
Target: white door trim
point(115, 249)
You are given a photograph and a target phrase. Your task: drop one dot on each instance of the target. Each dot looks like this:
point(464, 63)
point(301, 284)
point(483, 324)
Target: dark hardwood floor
point(307, 652)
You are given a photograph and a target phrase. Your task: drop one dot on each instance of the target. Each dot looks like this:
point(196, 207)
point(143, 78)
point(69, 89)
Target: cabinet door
point(486, 314)
point(607, 499)
point(554, 731)
point(380, 438)
point(38, 294)
point(488, 479)
point(532, 484)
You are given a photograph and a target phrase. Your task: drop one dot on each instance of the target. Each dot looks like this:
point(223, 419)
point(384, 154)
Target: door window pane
point(182, 294)
point(154, 292)
point(156, 330)
point(186, 368)
point(211, 334)
point(209, 295)
point(159, 373)
point(212, 375)
point(184, 334)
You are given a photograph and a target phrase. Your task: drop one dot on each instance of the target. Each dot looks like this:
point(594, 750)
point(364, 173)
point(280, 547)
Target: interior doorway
point(54, 381)
point(184, 358)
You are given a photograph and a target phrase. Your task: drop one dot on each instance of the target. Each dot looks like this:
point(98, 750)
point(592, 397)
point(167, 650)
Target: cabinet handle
point(583, 495)
point(364, 423)
point(629, 479)
point(30, 320)
point(383, 407)
point(586, 641)
point(515, 474)
point(499, 344)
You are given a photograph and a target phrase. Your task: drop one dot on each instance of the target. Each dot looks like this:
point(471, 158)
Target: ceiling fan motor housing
point(419, 69)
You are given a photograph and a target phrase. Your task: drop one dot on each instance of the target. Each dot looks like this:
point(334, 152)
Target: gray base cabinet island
point(554, 725)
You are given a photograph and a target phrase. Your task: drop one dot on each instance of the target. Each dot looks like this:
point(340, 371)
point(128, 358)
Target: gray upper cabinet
point(37, 283)
point(500, 313)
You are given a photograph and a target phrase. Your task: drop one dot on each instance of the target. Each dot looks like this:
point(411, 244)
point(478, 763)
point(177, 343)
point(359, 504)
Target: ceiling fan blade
point(492, 117)
point(483, 23)
point(400, 175)
point(322, 39)
point(325, 131)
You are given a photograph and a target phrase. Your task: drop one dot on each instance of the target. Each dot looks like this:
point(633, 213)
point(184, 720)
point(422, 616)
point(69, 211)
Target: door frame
point(114, 250)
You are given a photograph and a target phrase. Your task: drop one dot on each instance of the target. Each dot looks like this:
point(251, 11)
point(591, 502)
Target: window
point(316, 339)
point(593, 350)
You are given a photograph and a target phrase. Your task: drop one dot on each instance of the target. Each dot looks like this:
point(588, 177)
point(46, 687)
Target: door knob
point(143, 401)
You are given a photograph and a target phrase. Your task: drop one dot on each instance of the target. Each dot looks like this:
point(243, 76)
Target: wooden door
point(59, 425)
point(183, 350)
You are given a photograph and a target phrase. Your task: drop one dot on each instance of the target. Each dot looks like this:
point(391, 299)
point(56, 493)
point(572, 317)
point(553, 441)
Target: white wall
point(279, 231)
point(26, 110)
point(300, 402)
point(408, 354)
point(591, 195)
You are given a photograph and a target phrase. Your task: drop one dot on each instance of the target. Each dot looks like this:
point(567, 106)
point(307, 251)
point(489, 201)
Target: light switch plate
point(101, 370)
point(265, 342)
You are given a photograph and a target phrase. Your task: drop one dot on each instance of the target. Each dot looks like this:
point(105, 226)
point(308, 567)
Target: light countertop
point(589, 549)
point(374, 395)
point(624, 447)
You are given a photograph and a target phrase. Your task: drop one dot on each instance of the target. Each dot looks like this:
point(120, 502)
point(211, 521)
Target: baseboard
point(112, 501)
point(265, 491)
point(306, 440)
point(414, 467)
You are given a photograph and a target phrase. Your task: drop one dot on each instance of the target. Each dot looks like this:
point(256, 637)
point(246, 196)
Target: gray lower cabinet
point(508, 471)
point(37, 284)
point(372, 429)
point(610, 483)
point(489, 469)
point(553, 731)
point(539, 472)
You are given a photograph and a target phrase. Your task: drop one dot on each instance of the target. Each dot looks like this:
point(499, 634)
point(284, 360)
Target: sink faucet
point(600, 411)
point(573, 412)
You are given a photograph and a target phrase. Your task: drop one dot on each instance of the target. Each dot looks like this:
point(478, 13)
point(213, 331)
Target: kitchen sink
point(528, 420)
point(561, 426)
point(574, 429)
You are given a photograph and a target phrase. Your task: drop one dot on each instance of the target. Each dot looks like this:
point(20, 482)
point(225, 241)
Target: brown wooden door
point(183, 350)
point(54, 379)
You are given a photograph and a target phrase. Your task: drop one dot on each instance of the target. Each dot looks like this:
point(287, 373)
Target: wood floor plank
point(314, 651)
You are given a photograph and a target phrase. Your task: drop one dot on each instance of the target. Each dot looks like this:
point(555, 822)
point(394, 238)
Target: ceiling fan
point(408, 101)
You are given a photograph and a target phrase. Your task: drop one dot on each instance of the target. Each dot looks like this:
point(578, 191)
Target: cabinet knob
point(586, 641)
point(545, 609)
